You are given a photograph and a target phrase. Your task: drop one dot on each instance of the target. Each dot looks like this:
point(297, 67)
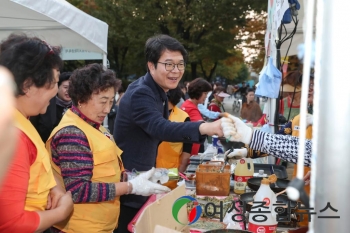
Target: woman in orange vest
point(174, 154)
point(30, 200)
point(86, 158)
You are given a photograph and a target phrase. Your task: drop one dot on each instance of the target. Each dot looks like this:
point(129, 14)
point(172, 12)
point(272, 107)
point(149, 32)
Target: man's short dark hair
point(174, 95)
point(64, 77)
point(156, 45)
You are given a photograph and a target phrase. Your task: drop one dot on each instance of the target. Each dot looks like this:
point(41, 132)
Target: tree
point(253, 39)
point(207, 28)
point(242, 74)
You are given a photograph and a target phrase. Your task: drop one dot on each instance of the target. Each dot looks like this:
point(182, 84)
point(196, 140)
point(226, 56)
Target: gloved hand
point(238, 153)
point(236, 130)
point(141, 185)
point(309, 119)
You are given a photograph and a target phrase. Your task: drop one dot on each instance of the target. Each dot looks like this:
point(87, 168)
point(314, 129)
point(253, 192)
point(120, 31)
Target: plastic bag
point(269, 81)
point(161, 174)
point(266, 128)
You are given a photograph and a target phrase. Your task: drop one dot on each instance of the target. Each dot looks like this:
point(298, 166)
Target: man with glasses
point(142, 121)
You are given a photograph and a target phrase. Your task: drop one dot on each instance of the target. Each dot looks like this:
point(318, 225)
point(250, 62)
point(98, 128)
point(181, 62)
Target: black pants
point(125, 217)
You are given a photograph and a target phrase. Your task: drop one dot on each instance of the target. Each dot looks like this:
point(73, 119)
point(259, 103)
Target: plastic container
point(260, 174)
point(263, 222)
point(244, 170)
point(211, 180)
point(217, 144)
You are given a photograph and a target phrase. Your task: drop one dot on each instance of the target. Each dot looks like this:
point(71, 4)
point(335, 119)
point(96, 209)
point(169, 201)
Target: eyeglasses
point(171, 66)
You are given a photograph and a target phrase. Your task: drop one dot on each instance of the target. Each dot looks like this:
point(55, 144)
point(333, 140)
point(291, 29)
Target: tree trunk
point(116, 60)
point(194, 70)
point(212, 71)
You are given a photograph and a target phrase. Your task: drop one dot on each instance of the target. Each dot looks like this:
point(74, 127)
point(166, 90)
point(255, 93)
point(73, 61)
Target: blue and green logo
point(194, 214)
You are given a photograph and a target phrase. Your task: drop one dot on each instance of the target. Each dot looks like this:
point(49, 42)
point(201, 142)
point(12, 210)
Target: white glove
point(309, 120)
point(238, 153)
point(236, 130)
point(141, 185)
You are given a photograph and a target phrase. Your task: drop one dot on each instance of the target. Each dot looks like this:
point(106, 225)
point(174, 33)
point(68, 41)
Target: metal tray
point(280, 171)
point(201, 158)
point(192, 168)
point(198, 159)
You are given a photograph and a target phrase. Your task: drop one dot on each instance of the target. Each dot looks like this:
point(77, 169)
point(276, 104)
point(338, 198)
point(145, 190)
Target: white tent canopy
point(58, 23)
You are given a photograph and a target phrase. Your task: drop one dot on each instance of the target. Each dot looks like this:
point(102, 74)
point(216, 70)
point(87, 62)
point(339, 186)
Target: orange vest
point(97, 216)
point(41, 177)
point(169, 152)
point(295, 132)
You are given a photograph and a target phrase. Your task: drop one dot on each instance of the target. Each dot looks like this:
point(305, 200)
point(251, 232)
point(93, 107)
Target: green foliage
point(242, 74)
point(253, 40)
point(207, 28)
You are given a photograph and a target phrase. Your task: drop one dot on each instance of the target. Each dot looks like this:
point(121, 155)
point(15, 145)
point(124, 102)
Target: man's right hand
point(212, 128)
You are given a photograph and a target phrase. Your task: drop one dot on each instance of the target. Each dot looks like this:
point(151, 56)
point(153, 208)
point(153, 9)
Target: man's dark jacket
point(142, 123)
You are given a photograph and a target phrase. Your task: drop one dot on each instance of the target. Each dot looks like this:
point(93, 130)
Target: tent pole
point(104, 63)
point(104, 60)
point(331, 119)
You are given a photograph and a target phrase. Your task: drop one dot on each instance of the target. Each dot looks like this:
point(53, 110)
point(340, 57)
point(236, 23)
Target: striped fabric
point(280, 146)
point(72, 153)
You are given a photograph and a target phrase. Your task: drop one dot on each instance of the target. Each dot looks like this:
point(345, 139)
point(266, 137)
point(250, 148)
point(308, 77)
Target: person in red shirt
point(216, 103)
point(8, 136)
point(30, 200)
point(197, 90)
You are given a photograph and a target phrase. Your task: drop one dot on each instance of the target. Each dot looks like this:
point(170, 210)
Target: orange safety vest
point(169, 152)
point(97, 216)
point(41, 177)
point(295, 132)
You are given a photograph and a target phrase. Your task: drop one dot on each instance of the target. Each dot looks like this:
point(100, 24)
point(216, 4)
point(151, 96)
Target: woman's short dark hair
point(91, 79)
point(30, 59)
point(249, 90)
point(156, 45)
point(64, 77)
point(175, 95)
point(197, 87)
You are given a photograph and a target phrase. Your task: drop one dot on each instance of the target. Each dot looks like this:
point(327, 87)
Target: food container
point(212, 180)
